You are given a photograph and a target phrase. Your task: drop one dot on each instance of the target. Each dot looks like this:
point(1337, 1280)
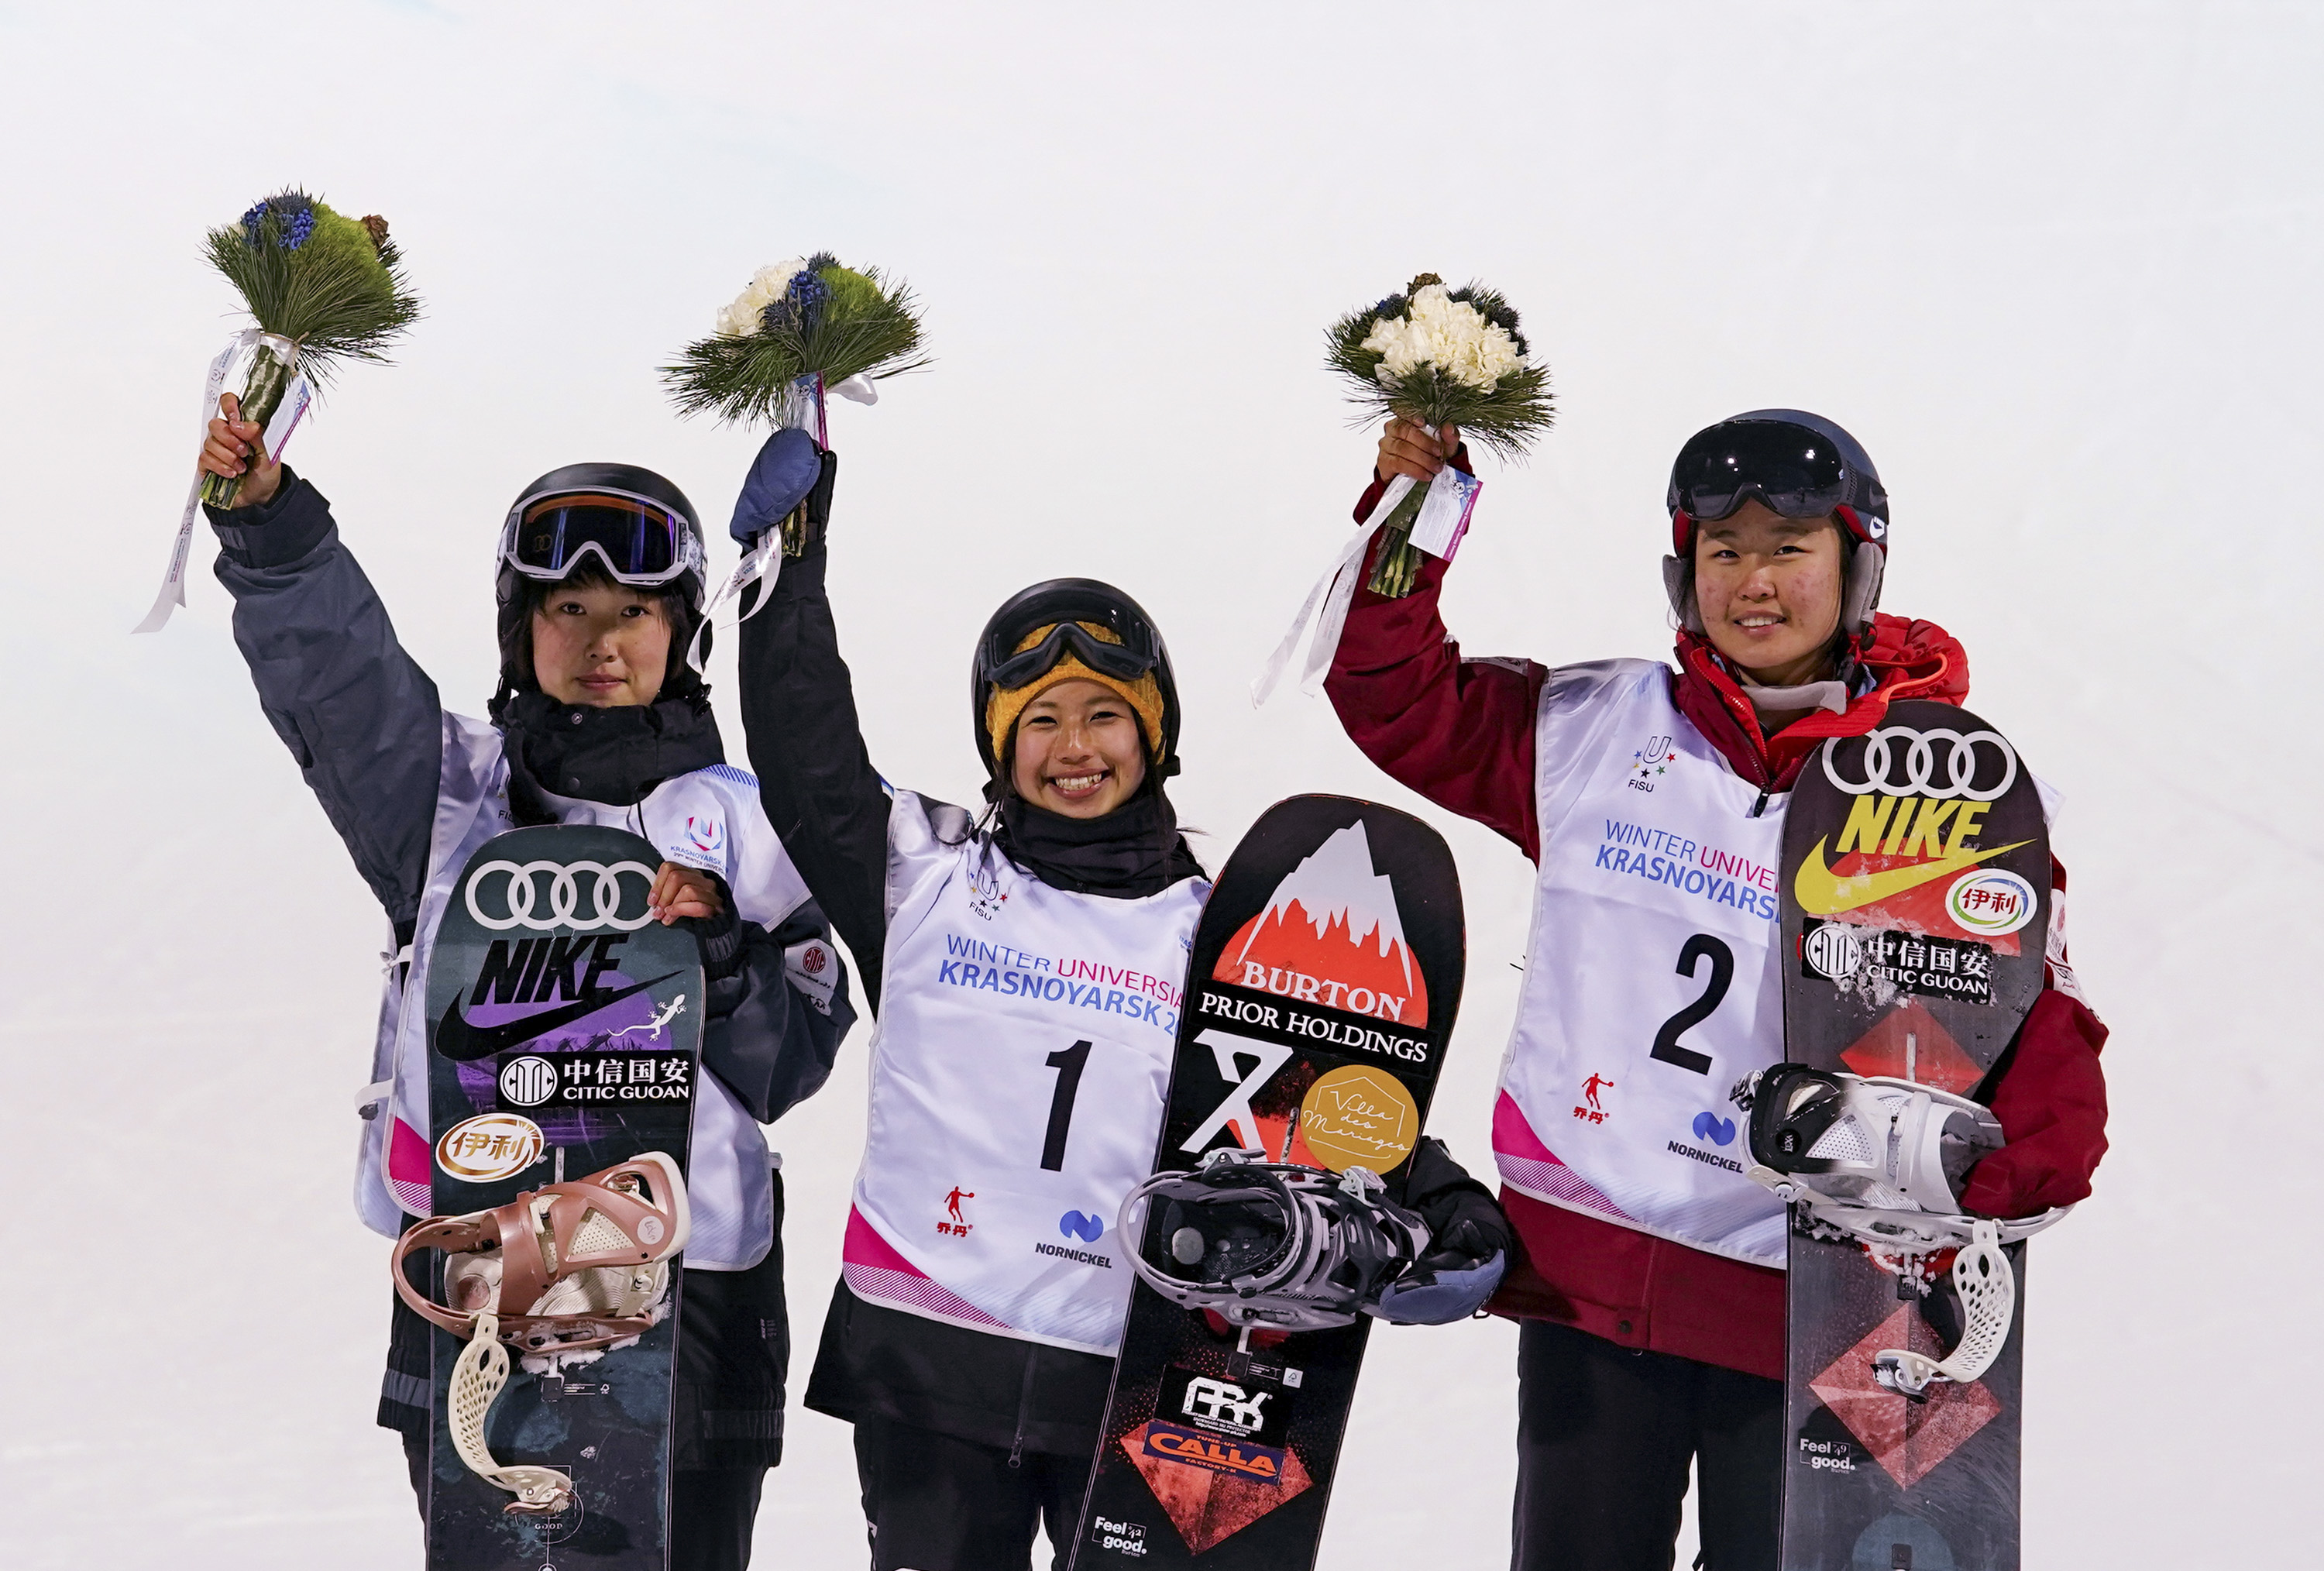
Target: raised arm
point(360, 717)
point(1460, 732)
point(816, 777)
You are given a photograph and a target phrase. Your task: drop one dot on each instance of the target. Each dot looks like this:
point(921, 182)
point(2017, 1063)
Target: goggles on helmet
point(1796, 472)
point(637, 539)
point(1138, 653)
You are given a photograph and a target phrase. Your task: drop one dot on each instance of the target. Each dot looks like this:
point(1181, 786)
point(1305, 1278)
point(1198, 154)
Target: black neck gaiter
point(1132, 852)
point(615, 756)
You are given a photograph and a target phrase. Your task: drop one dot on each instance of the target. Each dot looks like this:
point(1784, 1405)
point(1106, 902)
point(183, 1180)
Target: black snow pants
point(939, 1503)
point(1604, 1438)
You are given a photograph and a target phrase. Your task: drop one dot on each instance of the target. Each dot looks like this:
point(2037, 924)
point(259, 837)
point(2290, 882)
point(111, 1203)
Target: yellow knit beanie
point(1007, 705)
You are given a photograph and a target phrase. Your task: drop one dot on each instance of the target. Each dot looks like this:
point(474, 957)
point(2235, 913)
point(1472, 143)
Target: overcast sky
point(2055, 267)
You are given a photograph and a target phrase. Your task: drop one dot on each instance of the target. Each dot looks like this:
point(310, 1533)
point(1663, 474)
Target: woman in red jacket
point(1652, 1291)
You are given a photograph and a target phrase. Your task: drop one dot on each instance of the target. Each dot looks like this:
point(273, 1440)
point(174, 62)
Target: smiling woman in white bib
point(1651, 801)
point(1026, 966)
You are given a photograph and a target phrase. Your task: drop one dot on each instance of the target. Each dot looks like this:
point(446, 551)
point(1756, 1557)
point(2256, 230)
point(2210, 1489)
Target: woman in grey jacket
point(599, 719)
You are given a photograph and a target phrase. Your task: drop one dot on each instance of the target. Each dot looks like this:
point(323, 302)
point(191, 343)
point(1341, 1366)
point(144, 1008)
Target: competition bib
point(1651, 983)
point(1024, 1046)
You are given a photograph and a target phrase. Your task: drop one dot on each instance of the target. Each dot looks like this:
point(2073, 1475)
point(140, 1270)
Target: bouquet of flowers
point(802, 328)
point(322, 288)
point(1440, 358)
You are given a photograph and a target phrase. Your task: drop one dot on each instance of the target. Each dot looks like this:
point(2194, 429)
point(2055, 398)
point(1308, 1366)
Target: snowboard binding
point(562, 1273)
point(1883, 1162)
point(1274, 1246)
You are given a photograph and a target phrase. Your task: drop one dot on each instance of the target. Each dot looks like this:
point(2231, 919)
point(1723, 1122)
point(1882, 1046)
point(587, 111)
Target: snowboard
point(1916, 905)
point(564, 1030)
point(1322, 989)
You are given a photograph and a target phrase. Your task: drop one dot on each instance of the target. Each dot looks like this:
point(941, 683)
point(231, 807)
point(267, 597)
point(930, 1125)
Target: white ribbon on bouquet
point(276, 436)
point(1444, 520)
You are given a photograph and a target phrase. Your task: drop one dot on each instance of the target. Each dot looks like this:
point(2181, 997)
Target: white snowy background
point(2057, 266)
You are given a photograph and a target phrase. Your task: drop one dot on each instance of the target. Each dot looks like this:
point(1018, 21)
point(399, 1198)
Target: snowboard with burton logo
point(1320, 998)
point(1916, 903)
point(564, 1029)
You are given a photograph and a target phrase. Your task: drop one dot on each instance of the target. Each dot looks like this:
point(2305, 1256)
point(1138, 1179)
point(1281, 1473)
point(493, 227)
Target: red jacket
point(1460, 732)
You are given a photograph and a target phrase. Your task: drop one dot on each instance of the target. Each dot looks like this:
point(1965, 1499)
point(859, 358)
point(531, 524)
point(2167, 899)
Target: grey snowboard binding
point(1884, 1162)
point(1274, 1246)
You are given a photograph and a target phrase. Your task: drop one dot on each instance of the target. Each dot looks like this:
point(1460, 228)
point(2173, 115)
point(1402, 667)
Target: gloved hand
point(1469, 1242)
point(789, 469)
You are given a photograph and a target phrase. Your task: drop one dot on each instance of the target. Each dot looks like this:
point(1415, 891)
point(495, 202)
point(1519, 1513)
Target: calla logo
point(1078, 1224)
point(1717, 1131)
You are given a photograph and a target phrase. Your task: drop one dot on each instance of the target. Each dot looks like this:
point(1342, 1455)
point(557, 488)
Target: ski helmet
point(1272, 1245)
point(1100, 631)
point(1797, 464)
point(640, 527)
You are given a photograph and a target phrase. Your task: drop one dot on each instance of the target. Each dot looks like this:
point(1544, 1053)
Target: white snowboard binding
point(1883, 1162)
point(1274, 1246)
point(564, 1273)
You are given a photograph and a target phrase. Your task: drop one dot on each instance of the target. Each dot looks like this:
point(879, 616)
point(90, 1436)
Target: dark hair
point(516, 615)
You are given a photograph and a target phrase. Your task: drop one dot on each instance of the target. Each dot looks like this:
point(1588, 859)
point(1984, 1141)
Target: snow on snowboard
point(564, 1042)
point(1916, 902)
point(1322, 987)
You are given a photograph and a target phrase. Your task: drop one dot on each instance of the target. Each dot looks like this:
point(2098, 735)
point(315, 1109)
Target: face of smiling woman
point(1768, 589)
point(605, 646)
point(1079, 751)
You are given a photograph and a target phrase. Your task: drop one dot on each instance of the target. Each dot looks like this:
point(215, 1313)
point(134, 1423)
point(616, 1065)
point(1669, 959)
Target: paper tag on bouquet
point(1444, 511)
point(287, 416)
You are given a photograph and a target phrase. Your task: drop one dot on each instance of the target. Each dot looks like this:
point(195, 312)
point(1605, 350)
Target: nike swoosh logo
point(463, 1043)
point(1822, 893)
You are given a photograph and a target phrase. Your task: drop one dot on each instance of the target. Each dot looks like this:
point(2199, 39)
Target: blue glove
point(1441, 1297)
point(785, 471)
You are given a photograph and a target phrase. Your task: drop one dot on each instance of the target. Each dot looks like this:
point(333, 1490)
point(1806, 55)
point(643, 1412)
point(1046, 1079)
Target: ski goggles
point(1138, 653)
point(637, 539)
point(1794, 471)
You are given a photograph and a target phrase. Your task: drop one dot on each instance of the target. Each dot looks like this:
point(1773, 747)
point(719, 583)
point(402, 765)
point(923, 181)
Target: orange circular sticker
point(1358, 1117)
point(492, 1145)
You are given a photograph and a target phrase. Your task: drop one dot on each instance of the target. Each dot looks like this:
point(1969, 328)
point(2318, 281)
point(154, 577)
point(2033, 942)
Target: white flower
point(1449, 336)
point(742, 319)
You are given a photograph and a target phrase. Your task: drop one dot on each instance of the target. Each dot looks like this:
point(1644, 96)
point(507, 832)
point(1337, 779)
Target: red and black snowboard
point(1916, 901)
point(563, 1029)
point(1321, 994)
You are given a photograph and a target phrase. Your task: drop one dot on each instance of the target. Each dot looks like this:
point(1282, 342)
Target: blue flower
point(800, 305)
point(294, 216)
point(821, 260)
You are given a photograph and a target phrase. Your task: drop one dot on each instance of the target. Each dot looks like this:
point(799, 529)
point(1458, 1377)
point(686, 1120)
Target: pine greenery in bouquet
point(1440, 356)
point(801, 330)
point(323, 289)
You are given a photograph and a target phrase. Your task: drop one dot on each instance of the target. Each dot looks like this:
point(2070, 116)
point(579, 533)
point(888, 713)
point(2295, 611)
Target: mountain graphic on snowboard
point(1331, 935)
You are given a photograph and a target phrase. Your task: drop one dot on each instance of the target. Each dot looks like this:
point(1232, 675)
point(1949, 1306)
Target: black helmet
point(640, 527)
point(1799, 466)
point(1067, 602)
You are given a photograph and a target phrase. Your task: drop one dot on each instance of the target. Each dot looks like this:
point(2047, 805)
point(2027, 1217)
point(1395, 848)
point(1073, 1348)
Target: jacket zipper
point(1024, 1405)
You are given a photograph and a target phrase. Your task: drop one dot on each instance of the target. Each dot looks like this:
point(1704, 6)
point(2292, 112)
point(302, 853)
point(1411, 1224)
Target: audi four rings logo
point(1937, 764)
point(564, 895)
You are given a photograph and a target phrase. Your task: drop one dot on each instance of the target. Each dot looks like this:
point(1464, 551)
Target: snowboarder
point(598, 720)
point(1650, 1292)
point(1026, 966)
